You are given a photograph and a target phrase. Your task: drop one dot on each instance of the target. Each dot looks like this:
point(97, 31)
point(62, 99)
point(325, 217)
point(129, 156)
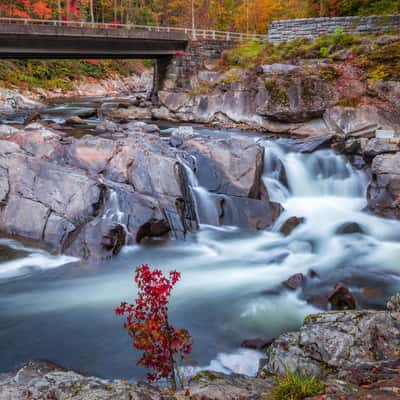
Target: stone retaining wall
point(281, 31)
point(183, 68)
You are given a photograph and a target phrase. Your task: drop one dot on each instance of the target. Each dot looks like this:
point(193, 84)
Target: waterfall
point(223, 266)
point(322, 173)
point(114, 214)
point(113, 211)
point(205, 203)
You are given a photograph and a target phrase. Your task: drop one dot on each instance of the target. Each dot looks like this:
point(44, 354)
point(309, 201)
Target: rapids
point(56, 308)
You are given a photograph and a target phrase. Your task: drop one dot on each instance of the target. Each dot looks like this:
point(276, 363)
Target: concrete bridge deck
point(30, 38)
point(44, 41)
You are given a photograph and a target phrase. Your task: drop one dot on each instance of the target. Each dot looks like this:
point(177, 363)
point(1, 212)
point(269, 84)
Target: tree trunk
point(67, 9)
point(59, 10)
point(171, 357)
point(91, 12)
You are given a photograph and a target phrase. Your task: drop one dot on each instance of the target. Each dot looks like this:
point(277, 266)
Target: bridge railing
point(193, 34)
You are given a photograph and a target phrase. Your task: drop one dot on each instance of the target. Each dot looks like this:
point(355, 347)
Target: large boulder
point(384, 189)
point(337, 340)
point(377, 146)
point(357, 122)
point(297, 97)
point(229, 166)
point(310, 144)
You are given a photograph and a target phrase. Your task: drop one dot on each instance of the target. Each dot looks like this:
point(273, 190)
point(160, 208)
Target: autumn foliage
point(251, 16)
point(147, 322)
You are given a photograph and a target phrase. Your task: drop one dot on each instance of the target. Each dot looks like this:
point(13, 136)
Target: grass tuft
point(295, 386)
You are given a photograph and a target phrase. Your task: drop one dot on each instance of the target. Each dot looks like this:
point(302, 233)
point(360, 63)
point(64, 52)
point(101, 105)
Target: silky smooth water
point(57, 308)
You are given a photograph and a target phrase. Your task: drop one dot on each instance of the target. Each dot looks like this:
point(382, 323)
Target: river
point(60, 309)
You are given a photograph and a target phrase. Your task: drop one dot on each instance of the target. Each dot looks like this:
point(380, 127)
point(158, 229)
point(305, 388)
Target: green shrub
point(324, 52)
point(48, 74)
point(295, 386)
point(244, 55)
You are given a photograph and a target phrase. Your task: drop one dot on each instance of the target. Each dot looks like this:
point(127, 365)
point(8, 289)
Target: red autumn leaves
point(163, 346)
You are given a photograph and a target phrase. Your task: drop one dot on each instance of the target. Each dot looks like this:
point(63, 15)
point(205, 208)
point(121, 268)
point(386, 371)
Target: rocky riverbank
point(88, 197)
point(355, 354)
point(32, 99)
point(349, 89)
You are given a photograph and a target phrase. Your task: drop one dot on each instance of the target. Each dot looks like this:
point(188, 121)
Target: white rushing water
point(231, 287)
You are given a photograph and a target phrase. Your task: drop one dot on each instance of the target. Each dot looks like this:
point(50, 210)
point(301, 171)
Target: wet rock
point(32, 118)
point(153, 228)
point(91, 153)
point(349, 228)
point(24, 217)
point(248, 213)
point(313, 274)
point(377, 146)
point(129, 114)
point(310, 144)
point(384, 189)
point(100, 239)
point(336, 340)
point(291, 224)
point(107, 127)
point(87, 113)
point(11, 101)
point(358, 162)
point(318, 300)
point(362, 121)
point(75, 120)
point(175, 141)
point(151, 128)
point(295, 281)
point(256, 343)
point(229, 166)
point(341, 298)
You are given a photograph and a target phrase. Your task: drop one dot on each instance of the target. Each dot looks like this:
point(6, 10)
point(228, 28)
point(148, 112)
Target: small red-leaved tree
point(163, 346)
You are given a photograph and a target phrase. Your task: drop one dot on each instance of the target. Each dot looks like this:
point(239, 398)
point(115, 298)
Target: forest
point(251, 16)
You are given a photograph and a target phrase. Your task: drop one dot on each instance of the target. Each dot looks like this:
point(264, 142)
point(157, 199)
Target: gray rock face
point(228, 166)
point(88, 197)
point(11, 101)
point(359, 122)
point(297, 98)
point(384, 189)
point(310, 144)
point(377, 146)
point(336, 340)
point(240, 97)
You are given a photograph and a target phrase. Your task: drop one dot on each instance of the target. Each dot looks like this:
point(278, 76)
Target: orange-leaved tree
point(148, 324)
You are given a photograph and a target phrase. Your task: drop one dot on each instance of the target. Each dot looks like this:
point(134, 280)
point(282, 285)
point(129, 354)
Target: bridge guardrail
point(193, 34)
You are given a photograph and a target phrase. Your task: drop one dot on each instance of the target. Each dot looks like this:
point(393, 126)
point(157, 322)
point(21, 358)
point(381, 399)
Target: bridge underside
point(24, 41)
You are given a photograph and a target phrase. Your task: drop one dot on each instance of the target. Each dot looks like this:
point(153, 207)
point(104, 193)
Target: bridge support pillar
point(160, 72)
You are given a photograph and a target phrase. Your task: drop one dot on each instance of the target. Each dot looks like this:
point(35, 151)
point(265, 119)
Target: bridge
point(53, 39)
point(32, 38)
